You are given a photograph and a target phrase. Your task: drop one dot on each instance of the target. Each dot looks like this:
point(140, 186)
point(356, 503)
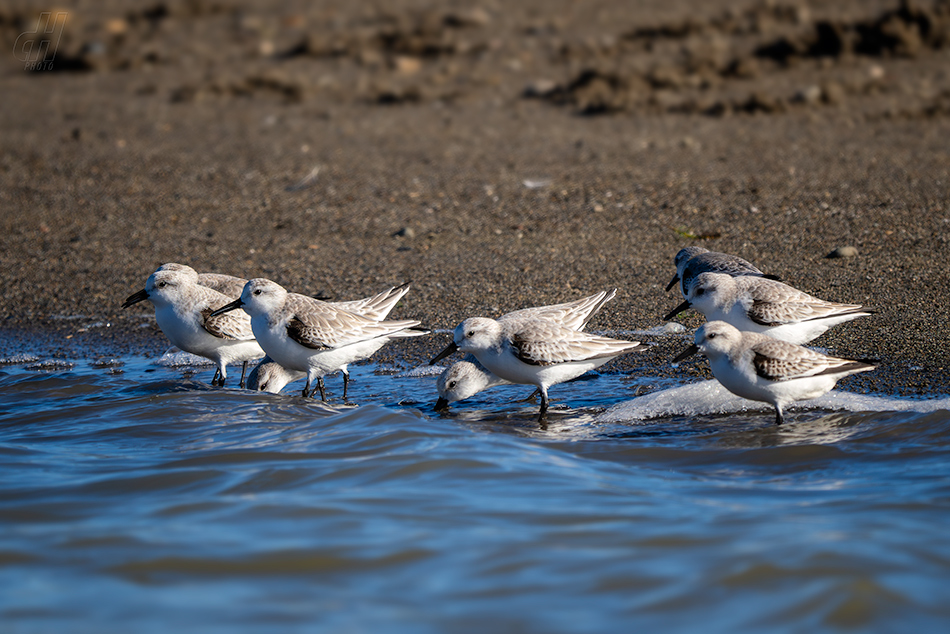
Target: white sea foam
point(175, 358)
point(23, 357)
point(710, 397)
point(422, 371)
point(51, 365)
point(669, 329)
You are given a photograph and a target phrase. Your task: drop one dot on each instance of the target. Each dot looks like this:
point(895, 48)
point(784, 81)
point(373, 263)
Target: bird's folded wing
point(235, 325)
point(377, 306)
point(778, 312)
point(783, 361)
point(547, 343)
point(317, 325)
point(573, 315)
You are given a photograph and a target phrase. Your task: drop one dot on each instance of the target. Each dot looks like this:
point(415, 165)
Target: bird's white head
point(708, 291)
point(165, 287)
point(184, 269)
point(262, 296)
point(269, 376)
point(477, 333)
point(462, 380)
point(716, 338)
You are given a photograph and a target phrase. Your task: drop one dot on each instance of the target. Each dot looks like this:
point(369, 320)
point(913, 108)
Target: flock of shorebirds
point(753, 336)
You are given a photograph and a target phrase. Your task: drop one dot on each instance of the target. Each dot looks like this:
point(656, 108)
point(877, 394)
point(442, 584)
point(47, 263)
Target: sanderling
point(760, 368)
point(270, 376)
point(469, 377)
point(463, 379)
point(184, 312)
point(224, 284)
point(692, 261)
point(536, 352)
point(305, 334)
point(757, 304)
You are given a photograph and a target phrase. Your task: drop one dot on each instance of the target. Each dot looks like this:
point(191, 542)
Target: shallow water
point(135, 497)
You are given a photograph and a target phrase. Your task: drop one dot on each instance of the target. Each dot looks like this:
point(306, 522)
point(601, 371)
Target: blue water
point(134, 497)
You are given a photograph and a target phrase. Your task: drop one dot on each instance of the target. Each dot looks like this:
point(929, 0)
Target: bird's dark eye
point(452, 384)
point(711, 335)
point(257, 292)
point(470, 333)
point(700, 291)
point(162, 285)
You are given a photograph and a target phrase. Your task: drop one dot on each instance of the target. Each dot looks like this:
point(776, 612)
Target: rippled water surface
point(136, 498)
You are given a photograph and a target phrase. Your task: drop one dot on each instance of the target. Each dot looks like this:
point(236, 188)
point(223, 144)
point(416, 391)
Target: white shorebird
point(760, 368)
point(757, 304)
point(469, 377)
point(535, 352)
point(305, 334)
point(184, 311)
point(270, 376)
point(692, 261)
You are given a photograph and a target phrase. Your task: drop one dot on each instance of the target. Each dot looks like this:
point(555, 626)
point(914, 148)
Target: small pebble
point(844, 252)
point(540, 88)
point(810, 95)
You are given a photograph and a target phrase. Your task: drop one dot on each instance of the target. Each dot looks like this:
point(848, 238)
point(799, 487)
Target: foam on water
point(423, 371)
point(669, 328)
point(51, 365)
point(175, 358)
point(710, 397)
point(20, 358)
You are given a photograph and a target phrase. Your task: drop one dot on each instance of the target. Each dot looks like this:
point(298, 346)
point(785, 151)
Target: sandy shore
point(497, 157)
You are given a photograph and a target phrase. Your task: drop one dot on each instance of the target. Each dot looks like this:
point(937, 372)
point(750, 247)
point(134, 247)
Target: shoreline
point(83, 338)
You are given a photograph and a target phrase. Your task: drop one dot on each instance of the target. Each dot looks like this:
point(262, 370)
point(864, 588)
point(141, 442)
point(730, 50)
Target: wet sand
point(498, 156)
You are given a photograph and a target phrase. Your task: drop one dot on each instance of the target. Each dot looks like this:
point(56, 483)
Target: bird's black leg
point(323, 393)
point(779, 418)
point(346, 382)
point(243, 373)
point(544, 405)
point(306, 388)
point(214, 379)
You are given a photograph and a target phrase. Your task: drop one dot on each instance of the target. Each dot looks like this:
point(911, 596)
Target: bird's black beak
point(228, 307)
point(441, 405)
point(135, 298)
point(685, 354)
point(449, 349)
point(676, 278)
point(676, 311)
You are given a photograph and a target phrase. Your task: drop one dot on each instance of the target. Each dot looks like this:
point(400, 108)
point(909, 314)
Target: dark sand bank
point(501, 156)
